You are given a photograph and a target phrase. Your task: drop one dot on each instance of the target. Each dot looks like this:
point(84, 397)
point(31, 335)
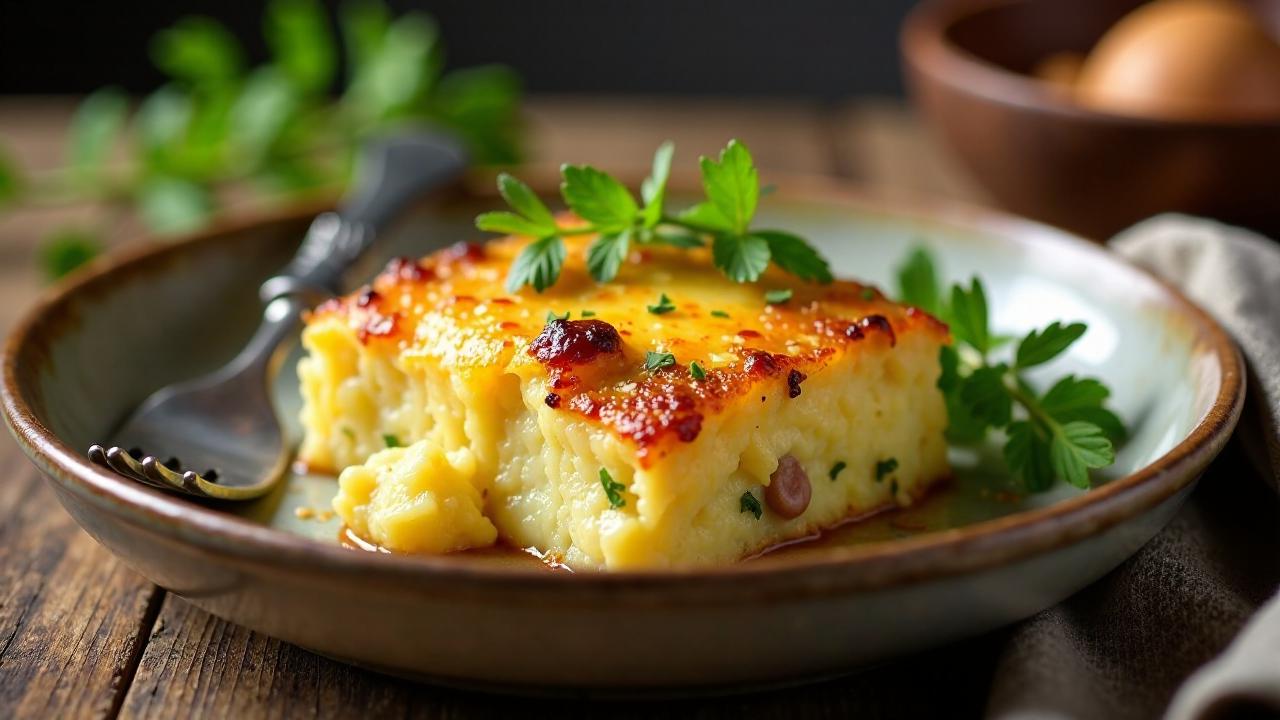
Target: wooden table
point(82, 635)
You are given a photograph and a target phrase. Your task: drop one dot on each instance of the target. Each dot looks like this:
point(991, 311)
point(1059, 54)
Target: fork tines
point(147, 470)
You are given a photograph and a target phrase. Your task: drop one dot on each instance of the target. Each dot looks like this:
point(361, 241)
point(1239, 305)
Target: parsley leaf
point(612, 490)
point(508, 223)
point(706, 217)
point(1076, 448)
point(884, 467)
point(552, 316)
point(1061, 435)
point(95, 130)
point(677, 239)
point(657, 360)
point(720, 314)
point(918, 282)
point(606, 254)
point(696, 371)
point(537, 265)
point(836, 469)
point(10, 179)
point(791, 253)
point(67, 250)
point(588, 313)
point(1072, 393)
point(598, 198)
point(742, 258)
point(664, 306)
point(985, 394)
point(969, 316)
point(523, 200)
point(1081, 399)
point(778, 297)
point(1026, 454)
point(749, 503)
point(1041, 346)
point(732, 184)
point(391, 441)
point(654, 189)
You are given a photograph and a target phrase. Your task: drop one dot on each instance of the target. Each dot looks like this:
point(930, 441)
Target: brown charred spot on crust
point(760, 362)
point(503, 301)
point(367, 297)
point(552, 400)
point(508, 325)
point(378, 326)
point(748, 333)
point(794, 378)
point(406, 268)
point(688, 426)
point(568, 343)
point(879, 323)
point(464, 251)
point(461, 299)
point(644, 416)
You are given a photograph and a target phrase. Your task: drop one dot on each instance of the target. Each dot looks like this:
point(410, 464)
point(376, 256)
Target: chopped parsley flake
point(749, 503)
point(658, 360)
point(696, 371)
point(884, 467)
point(552, 316)
point(720, 314)
point(588, 313)
point(837, 469)
point(391, 441)
point(868, 293)
point(664, 306)
point(777, 297)
point(612, 490)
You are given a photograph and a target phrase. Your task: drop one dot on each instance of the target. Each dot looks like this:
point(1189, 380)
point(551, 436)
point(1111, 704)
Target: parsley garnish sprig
point(1060, 434)
point(730, 182)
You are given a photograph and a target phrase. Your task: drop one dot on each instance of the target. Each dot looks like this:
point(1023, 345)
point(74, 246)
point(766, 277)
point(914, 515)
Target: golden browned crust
point(453, 306)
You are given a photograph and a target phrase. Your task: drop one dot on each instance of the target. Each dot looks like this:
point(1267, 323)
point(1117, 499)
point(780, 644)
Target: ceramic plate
point(970, 558)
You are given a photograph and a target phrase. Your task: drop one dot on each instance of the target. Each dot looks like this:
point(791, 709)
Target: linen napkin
point(1122, 647)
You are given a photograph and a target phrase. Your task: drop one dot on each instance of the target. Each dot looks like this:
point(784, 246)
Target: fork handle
point(391, 172)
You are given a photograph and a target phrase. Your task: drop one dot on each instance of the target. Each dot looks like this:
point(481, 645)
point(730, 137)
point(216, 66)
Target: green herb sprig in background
point(276, 128)
point(1056, 435)
point(732, 188)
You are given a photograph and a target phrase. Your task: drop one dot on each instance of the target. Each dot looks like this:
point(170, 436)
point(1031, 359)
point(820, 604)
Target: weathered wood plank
point(72, 617)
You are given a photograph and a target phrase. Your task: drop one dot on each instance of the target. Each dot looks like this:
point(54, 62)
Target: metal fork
point(218, 436)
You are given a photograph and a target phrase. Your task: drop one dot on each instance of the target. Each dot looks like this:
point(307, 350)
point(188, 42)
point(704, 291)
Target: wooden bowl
point(1041, 154)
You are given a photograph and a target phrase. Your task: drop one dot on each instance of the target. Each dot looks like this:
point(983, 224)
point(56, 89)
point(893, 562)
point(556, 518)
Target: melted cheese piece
point(439, 354)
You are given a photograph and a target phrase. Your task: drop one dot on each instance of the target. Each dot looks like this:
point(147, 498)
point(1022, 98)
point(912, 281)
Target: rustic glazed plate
point(971, 558)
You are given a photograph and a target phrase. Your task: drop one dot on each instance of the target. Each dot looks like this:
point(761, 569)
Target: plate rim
point(872, 566)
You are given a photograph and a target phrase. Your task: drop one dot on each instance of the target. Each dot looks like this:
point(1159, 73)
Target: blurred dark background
point(822, 49)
